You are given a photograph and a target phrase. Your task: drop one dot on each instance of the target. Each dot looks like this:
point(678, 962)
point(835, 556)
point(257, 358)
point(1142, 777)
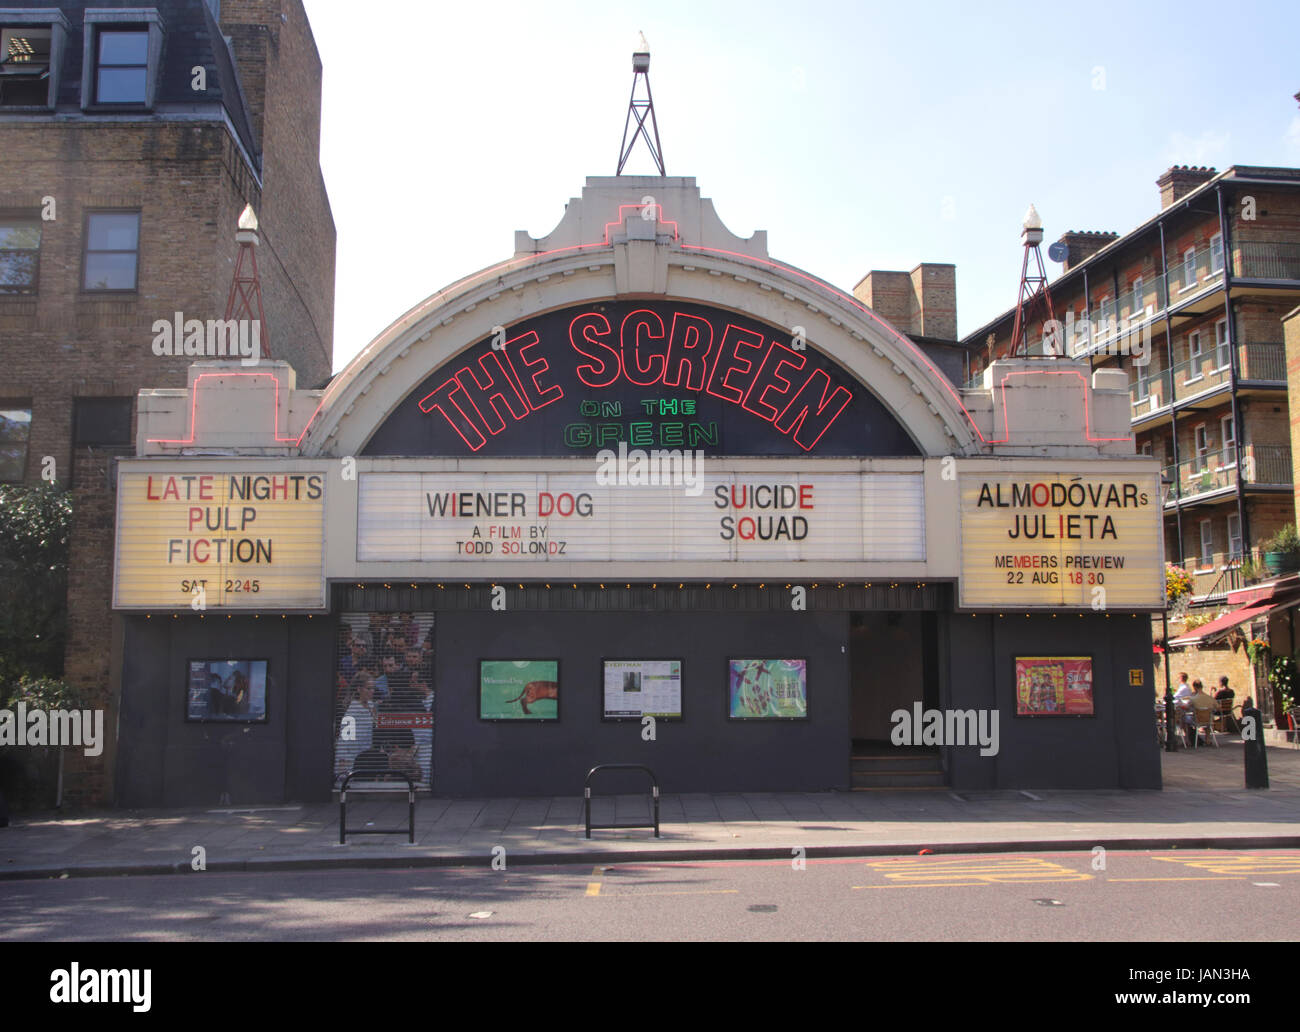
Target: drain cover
point(762, 908)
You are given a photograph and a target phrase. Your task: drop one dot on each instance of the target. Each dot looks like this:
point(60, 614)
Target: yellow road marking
point(948, 872)
point(1239, 864)
point(593, 888)
point(1192, 877)
point(686, 892)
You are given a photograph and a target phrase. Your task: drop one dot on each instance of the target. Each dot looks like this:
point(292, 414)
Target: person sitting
point(1226, 694)
point(1200, 704)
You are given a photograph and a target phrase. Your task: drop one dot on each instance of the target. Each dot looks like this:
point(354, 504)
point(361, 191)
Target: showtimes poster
point(643, 687)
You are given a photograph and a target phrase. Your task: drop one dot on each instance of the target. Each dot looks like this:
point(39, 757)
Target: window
point(1135, 312)
point(103, 422)
point(15, 430)
point(1143, 382)
point(25, 52)
point(20, 253)
point(121, 57)
point(1207, 543)
point(1193, 356)
point(1234, 536)
point(1221, 356)
point(1189, 268)
point(122, 66)
point(1229, 442)
point(1216, 254)
point(112, 250)
point(1145, 449)
point(1201, 441)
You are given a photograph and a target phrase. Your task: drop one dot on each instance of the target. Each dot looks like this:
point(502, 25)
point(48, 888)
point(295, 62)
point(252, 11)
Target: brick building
point(1190, 306)
point(131, 138)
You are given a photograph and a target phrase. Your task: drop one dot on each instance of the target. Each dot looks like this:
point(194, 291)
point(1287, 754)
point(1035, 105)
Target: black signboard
point(650, 374)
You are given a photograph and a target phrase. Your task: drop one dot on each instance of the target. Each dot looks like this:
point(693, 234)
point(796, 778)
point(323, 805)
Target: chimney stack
point(1177, 182)
point(1081, 245)
point(922, 303)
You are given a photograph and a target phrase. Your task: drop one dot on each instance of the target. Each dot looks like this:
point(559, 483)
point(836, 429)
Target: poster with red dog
point(519, 689)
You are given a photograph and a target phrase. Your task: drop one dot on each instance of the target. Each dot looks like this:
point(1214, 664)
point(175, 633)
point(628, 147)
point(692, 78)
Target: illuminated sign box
point(1035, 539)
point(486, 517)
point(220, 540)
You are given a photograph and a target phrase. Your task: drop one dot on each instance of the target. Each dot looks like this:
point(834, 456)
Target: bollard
point(1252, 736)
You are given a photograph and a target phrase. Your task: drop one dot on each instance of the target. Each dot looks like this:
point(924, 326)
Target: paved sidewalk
point(1202, 805)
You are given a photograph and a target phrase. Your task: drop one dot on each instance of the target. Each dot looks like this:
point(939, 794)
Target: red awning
point(1222, 624)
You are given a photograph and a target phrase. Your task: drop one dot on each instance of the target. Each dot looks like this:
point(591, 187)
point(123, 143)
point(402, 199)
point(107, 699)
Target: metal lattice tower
point(1034, 293)
point(245, 300)
point(641, 110)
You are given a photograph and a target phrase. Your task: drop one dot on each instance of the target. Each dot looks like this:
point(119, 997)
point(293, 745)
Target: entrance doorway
point(893, 664)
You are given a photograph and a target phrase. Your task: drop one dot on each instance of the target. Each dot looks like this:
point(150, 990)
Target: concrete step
point(865, 780)
point(901, 762)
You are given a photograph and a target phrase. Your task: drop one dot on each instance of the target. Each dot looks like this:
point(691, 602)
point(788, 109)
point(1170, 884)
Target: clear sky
point(859, 135)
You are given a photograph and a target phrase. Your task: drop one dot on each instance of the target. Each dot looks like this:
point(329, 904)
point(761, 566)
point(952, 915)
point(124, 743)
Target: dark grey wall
point(703, 753)
point(163, 760)
point(1116, 748)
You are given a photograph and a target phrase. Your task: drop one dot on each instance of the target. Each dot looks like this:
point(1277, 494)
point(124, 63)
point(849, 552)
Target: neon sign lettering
point(738, 365)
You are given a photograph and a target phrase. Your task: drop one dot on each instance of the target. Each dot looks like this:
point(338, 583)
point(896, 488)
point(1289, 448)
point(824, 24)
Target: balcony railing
point(1206, 267)
point(1261, 465)
point(1267, 259)
point(1261, 361)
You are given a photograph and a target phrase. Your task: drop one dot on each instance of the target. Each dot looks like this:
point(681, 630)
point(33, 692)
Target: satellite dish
point(1058, 252)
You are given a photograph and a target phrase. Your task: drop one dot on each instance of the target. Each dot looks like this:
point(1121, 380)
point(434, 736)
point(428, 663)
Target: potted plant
point(1250, 571)
point(1282, 550)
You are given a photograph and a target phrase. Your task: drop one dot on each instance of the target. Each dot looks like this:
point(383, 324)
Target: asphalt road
point(1176, 896)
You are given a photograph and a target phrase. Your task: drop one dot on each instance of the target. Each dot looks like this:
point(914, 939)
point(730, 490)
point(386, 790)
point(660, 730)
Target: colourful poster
point(519, 689)
point(1053, 686)
point(768, 689)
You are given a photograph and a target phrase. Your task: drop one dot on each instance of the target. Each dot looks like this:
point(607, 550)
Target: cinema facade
point(638, 470)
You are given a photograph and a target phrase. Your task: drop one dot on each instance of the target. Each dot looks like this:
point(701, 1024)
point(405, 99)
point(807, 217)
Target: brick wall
point(189, 181)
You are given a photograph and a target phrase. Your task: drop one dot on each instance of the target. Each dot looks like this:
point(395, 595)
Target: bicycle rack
point(654, 791)
point(383, 775)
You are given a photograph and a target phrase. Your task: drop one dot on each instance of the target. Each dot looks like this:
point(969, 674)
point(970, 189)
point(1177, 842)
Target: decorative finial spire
point(641, 109)
point(1034, 293)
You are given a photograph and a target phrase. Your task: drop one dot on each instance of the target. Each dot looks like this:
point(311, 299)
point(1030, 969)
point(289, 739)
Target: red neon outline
point(636, 346)
point(659, 220)
point(523, 360)
point(793, 432)
point(687, 359)
point(1087, 422)
point(500, 268)
point(722, 347)
point(490, 395)
point(428, 406)
point(275, 415)
point(775, 374)
point(617, 352)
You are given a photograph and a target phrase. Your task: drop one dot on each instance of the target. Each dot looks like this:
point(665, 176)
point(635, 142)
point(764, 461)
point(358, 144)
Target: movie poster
point(227, 689)
point(1053, 686)
point(768, 689)
point(519, 689)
